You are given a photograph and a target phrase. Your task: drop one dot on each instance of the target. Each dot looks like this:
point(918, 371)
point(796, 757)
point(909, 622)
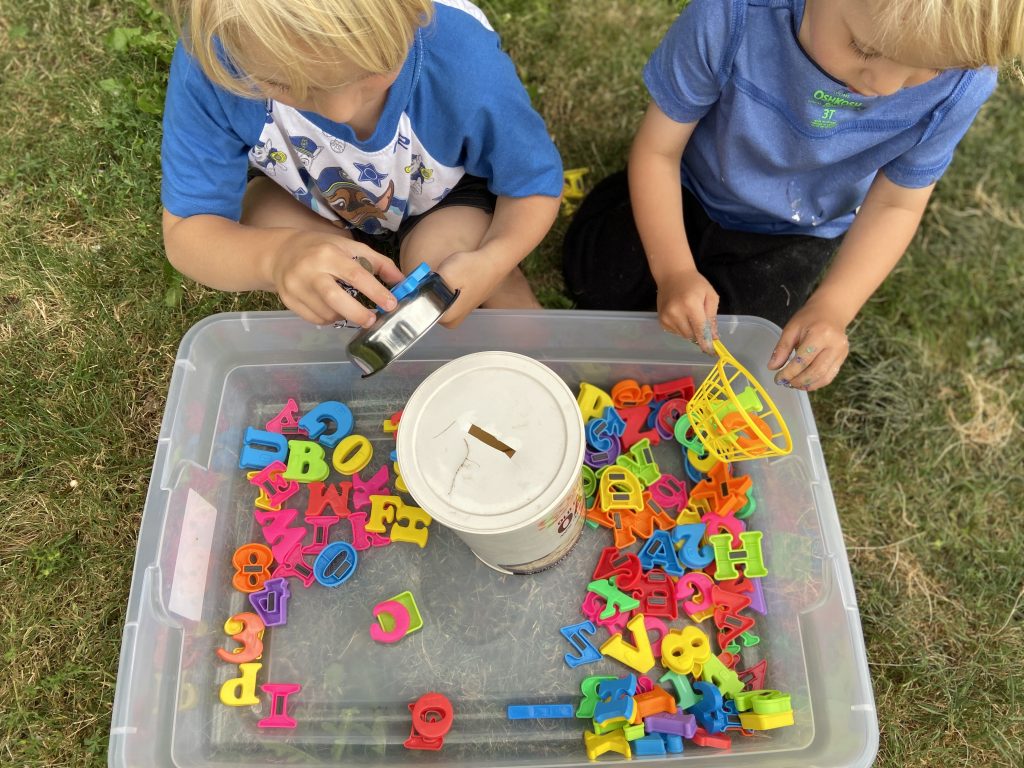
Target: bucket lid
point(490, 441)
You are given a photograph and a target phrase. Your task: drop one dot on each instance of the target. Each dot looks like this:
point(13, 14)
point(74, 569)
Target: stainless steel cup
point(393, 333)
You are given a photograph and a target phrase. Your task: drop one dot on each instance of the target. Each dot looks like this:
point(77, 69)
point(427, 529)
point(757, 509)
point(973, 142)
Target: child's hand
point(817, 341)
point(306, 265)
point(475, 275)
point(688, 305)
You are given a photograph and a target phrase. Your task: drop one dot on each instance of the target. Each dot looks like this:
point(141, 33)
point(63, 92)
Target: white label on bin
point(188, 585)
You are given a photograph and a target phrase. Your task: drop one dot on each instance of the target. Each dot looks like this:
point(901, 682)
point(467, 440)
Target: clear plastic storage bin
point(488, 640)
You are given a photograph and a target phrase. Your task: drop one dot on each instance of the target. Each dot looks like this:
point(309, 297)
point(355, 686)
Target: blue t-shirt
point(457, 108)
point(781, 147)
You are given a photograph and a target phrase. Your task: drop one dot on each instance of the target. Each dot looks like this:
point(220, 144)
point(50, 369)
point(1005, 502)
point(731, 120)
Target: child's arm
point(687, 304)
point(517, 227)
point(876, 240)
point(299, 265)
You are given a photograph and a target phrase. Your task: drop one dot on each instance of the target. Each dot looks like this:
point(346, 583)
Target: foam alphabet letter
point(620, 489)
point(411, 525)
point(352, 454)
point(399, 615)
point(261, 449)
point(306, 462)
point(588, 687)
point(382, 510)
point(286, 422)
point(614, 598)
point(317, 420)
point(687, 540)
point(640, 461)
point(273, 485)
point(638, 656)
point(684, 651)
point(271, 602)
point(658, 550)
point(246, 629)
point(374, 486)
point(576, 635)
point(592, 401)
point(279, 693)
point(748, 555)
point(241, 691)
point(332, 495)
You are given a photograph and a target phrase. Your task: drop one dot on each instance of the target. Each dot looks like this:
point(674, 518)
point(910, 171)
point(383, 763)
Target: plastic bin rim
point(725, 322)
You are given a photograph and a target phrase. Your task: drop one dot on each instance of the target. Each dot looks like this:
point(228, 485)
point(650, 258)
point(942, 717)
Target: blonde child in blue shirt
point(781, 132)
point(303, 137)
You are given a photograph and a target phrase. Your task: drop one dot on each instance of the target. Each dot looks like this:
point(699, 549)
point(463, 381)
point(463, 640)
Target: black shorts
point(470, 191)
point(604, 264)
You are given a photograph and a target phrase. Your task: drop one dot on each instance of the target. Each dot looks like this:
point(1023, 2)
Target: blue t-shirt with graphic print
point(457, 108)
point(781, 147)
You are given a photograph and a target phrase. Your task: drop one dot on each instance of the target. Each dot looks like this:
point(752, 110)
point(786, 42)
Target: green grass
point(922, 430)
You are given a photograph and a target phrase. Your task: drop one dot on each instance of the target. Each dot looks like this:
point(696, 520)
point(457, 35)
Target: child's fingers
point(702, 333)
point(383, 267)
point(677, 325)
point(322, 303)
point(819, 373)
point(709, 326)
point(359, 273)
point(805, 353)
point(303, 310)
point(791, 373)
point(696, 320)
point(673, 319)
point(823, 373)
point(452, 319)
point(812, 367)
point(787, 342)
point(340, 303)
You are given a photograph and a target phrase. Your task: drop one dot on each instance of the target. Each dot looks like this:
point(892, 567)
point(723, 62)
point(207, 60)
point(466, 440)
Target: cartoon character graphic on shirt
point(401, 141)
point(353, 203)
point(267, 157)
point(304, 192)
point(304, 196)
point(306, 149)
point(419, 174)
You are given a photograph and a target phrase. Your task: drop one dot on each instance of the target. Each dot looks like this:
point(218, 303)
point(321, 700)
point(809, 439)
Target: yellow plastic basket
point(733, 417)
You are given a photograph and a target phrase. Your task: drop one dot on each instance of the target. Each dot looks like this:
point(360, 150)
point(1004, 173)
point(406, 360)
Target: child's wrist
point(668, 269)
point(837, 307)
point(501, 254)
point(268, 258)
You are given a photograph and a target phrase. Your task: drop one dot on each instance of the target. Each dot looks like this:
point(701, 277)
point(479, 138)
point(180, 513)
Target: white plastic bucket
point(491, 446)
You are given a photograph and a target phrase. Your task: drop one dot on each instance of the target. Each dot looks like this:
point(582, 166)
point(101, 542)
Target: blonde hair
point(971, 33)
point(302, 40)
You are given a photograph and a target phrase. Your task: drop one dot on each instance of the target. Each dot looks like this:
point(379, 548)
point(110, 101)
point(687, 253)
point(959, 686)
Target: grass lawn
point(922, 430)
